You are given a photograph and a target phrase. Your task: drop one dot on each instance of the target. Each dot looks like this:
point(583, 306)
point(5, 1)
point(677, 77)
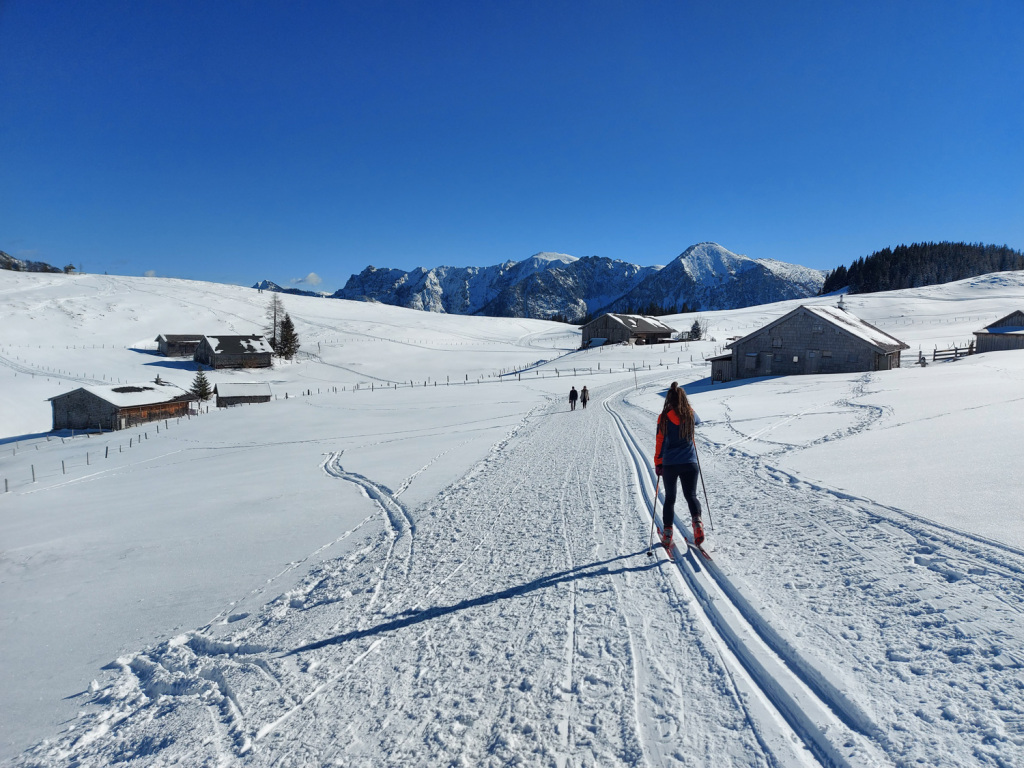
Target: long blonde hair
point(676, 400)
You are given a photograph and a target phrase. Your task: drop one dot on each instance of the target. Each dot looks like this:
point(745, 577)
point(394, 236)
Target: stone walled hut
point(613, 329)
point(117, 406)
point(177, 344)
point(242, 392)
point(1007, 333)
point(810, 339)
point(234, 352)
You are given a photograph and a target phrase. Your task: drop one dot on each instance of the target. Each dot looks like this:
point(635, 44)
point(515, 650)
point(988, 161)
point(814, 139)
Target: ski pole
point(650, 544)
point(707, 503)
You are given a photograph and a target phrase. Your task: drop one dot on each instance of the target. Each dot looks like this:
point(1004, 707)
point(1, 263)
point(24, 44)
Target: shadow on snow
point(413, 617)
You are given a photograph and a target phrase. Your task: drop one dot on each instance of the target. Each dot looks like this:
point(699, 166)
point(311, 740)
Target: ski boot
point(666, 537)
point(698, 531)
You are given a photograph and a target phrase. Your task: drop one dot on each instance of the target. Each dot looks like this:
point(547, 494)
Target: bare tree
point(275, 316)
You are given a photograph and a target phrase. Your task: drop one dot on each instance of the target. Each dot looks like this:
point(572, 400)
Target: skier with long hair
point(675, 458)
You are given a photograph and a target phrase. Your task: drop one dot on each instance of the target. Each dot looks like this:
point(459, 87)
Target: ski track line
point(774, 737)
point(937, 600)
point(804, 699)
point(334, 470)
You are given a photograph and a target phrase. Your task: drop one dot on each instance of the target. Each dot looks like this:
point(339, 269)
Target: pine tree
point(201, 389)
point(288, 342)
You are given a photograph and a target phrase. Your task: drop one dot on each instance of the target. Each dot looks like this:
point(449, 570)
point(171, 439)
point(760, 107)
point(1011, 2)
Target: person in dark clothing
point(573, 397)
point(584, 397)
point(675, 459)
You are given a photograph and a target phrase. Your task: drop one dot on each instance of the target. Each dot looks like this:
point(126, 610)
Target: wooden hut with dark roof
point(234, 352)
point(178, 344)
point(810, 339)
point(1007, 333)
point(241, 393)
point(613, 328)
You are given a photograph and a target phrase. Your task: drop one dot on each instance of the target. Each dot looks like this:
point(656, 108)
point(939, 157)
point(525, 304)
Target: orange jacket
point(670, 448)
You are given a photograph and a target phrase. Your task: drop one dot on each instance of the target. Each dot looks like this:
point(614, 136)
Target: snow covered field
point(456, 574)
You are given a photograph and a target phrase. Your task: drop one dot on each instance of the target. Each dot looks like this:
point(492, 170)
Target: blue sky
point(237, 141)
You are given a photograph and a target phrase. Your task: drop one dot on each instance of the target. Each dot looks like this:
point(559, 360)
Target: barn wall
point(146, 413)
point(721, 370)
point(178, 348)
point(224, 402)
point(605, 327)
point(82, 410)
point(998, 342)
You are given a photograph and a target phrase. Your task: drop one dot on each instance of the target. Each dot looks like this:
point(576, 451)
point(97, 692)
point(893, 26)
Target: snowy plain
point(422, 557)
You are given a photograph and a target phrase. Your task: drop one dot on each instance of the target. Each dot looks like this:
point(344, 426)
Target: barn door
point(812, 361)
point(766, 363)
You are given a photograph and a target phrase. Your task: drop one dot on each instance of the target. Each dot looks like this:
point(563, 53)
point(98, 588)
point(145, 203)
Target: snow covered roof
point(857, 327)
point(179, 337)
point(1004, 330)
point(1014, 325)
point(842, 319)
point(128, 395)
point(642, 323)
point(243, 389)
point(239, 345)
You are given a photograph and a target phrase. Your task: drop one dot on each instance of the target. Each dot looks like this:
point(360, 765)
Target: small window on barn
point(796, 358)
point(777, 357)
point(826, 353)
point(853, 357)
point(818, 328)
point(777, 341)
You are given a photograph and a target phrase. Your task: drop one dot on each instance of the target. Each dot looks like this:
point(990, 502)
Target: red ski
point(700, 549)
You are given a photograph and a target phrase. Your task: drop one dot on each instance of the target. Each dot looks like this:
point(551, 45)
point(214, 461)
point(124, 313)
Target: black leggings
point(687, 475)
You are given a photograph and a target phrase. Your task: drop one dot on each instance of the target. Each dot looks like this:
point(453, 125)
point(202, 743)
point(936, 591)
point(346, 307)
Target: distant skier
point(573, 396)
point(584, 397)
point(675, 458)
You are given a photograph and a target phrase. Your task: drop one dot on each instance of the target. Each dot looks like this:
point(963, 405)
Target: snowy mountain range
point(706, 276)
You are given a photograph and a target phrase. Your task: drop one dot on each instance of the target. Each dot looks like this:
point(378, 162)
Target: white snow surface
point(420, 556)
point(133, 393)
point(564, 258)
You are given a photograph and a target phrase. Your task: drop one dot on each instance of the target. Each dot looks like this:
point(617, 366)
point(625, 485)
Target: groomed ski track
point(515, 620)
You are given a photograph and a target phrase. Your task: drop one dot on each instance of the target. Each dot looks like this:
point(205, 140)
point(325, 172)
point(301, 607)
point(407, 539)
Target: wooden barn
point(1007, 333)
point(242, 392)
point(234, 352)
point(178, 344)
point(614, 329)
point(117, 406)
point(810, 339)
